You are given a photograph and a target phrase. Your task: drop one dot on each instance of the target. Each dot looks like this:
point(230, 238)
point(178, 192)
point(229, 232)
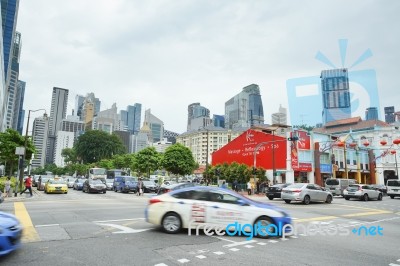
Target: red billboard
point(271, 150)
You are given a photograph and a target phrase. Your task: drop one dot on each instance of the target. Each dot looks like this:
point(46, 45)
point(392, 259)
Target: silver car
point(362, 192)
point(306, 193)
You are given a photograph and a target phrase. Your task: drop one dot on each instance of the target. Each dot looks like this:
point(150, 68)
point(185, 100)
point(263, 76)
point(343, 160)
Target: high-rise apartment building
point(335, 95)
point(14, 98)
point(39, 136)
point(109, 120)
point(19, 112)
point(156, 125)
point(218, 121)
point(198, 117)
point(279, 118)
point(78, 105)
point(64, 139)
point(389, 114)
point(58, 112)
point(245, 109)
point(371, 113)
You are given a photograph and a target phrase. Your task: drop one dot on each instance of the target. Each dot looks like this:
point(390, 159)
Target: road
point(109, 229)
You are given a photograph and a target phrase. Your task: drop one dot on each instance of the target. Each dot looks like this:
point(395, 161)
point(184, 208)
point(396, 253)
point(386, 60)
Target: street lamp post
point(21, 172)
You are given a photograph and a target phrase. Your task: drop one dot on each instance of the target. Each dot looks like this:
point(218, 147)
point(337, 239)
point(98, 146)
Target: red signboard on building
point(271, 150)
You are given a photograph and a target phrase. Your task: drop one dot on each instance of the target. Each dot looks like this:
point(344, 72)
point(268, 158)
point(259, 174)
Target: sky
point(167, 54)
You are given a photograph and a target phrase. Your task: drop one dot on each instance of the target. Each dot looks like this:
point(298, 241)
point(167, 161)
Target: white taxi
point(195, 206)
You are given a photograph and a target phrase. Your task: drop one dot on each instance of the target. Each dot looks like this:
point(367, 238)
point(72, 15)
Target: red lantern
point(383, 142)
point(396, 141)
point(366, 143)
point(340, 144)
point(393, 152)
point(353, 144)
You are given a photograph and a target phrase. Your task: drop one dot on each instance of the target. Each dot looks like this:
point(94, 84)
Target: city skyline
point(197, 52)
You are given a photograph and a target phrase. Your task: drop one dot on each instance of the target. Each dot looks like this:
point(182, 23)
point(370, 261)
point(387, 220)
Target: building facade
point(58, 112)
point(371, 113)
point(335, 95)
point(155, 124)
point(39, 136)
point(389, 114)
point(132, 117)
point(279, 118)
point(64, 139)
point(198, 116)
point(218, 121)
point(245, 109)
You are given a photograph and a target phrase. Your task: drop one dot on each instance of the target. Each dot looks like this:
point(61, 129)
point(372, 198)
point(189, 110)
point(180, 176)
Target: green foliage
point(231, 172)
point(69, 155)
point(105, 163)
point(178, 160)
point(80, 169)
point(9, 141)
point(305, 127)
point(147, 160)
point(123, 160)
point(3, 181)
point(95, 145)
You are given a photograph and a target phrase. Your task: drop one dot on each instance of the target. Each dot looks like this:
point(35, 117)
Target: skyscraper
point(219, 121)
point(336, 95)
point(389, 114)
point(198, 117)
point(132, 117)
point(9, 15)
point(244, 109)
point(156, 126)
point(79, 105)
point(19, 114)
point(58, 112)
point(371, 113)
point(14, 96)
point(39, 136)
point(279, 118)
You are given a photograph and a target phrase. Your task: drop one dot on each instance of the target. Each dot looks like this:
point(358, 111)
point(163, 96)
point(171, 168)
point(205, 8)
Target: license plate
point(351, 192)
point(395, 190)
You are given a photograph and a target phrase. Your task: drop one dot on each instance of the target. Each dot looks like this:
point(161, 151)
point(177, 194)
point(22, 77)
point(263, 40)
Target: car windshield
point(354, 186)
point(80, 181)
point(95, 181)
point(332, 182)
point(296, 186)
point(129, 179)
point(59, 181)
point(44, 180)
point(393, 183)
point(98, 171)
point(149, 183)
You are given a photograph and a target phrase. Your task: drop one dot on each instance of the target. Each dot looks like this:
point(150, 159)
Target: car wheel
point(171, 223)
point(104, 191)
point(346, 198)
point(329, 199)
point(271, 198)
point(365, 197)
point(380, 196)
point(265, 221)
point(287, 201)
point(306, 200)
point(392, 197)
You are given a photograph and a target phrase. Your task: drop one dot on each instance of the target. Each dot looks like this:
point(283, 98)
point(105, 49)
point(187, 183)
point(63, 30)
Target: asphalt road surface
point(109, 229)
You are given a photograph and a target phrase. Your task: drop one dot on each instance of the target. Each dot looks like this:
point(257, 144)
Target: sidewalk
point(24, 196)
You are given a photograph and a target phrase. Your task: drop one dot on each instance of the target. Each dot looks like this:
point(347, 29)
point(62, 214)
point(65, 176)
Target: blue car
point(125, 184)
point(10, 233)
point(78, 184)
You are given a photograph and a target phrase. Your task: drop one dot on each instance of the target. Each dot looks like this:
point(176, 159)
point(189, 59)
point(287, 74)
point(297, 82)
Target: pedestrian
point(223, 185)
point(7, 187)
point(28, 185)
point(249, 188)
point(140, 187)
point(235, 185)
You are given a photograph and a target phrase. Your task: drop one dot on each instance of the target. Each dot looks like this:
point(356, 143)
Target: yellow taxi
point(56, 186)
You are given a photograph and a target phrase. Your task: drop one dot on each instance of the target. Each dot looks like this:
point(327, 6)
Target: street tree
point(147, 160)
point(95, 145)
point(9, 141)
point(69, 155)
point(178, 160)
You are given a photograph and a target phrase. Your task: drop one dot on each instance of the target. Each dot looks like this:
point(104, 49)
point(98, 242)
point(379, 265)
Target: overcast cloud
point(169, 54)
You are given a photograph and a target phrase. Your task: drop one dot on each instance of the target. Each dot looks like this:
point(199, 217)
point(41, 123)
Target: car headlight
point(91, 186)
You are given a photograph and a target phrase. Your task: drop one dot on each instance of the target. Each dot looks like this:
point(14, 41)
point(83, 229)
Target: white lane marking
point(221, 238)
point(273, 241)
point(119, 220)
point(392, 264)
point(219, 253)
point(398, 260)
point(293, 237)
point(294, 218)
point(183, 260)
point(240, 243)
point(234, 249)
point(261, 243)
point(46, 225)
point(201, 257)
point(124, 229)
point(161, 264)
point(249, 246)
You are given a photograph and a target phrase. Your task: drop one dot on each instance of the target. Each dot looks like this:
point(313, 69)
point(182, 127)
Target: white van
point(393, 188)
point(337, 185)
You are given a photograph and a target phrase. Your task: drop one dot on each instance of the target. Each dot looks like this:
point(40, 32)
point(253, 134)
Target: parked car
point(125, 184)
point(166, 189)
point(306, 193)
point(10, 233)
point(393, 188)
point(187, 207)
point(35, 180)
point(362, 192)
point(111, 174)
point(275, 191)
point(70, 181)
point(338, 185)
point(94, 185)
point(381, 188)
point(56, 186)
point(149, 186)
point(78, 184)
